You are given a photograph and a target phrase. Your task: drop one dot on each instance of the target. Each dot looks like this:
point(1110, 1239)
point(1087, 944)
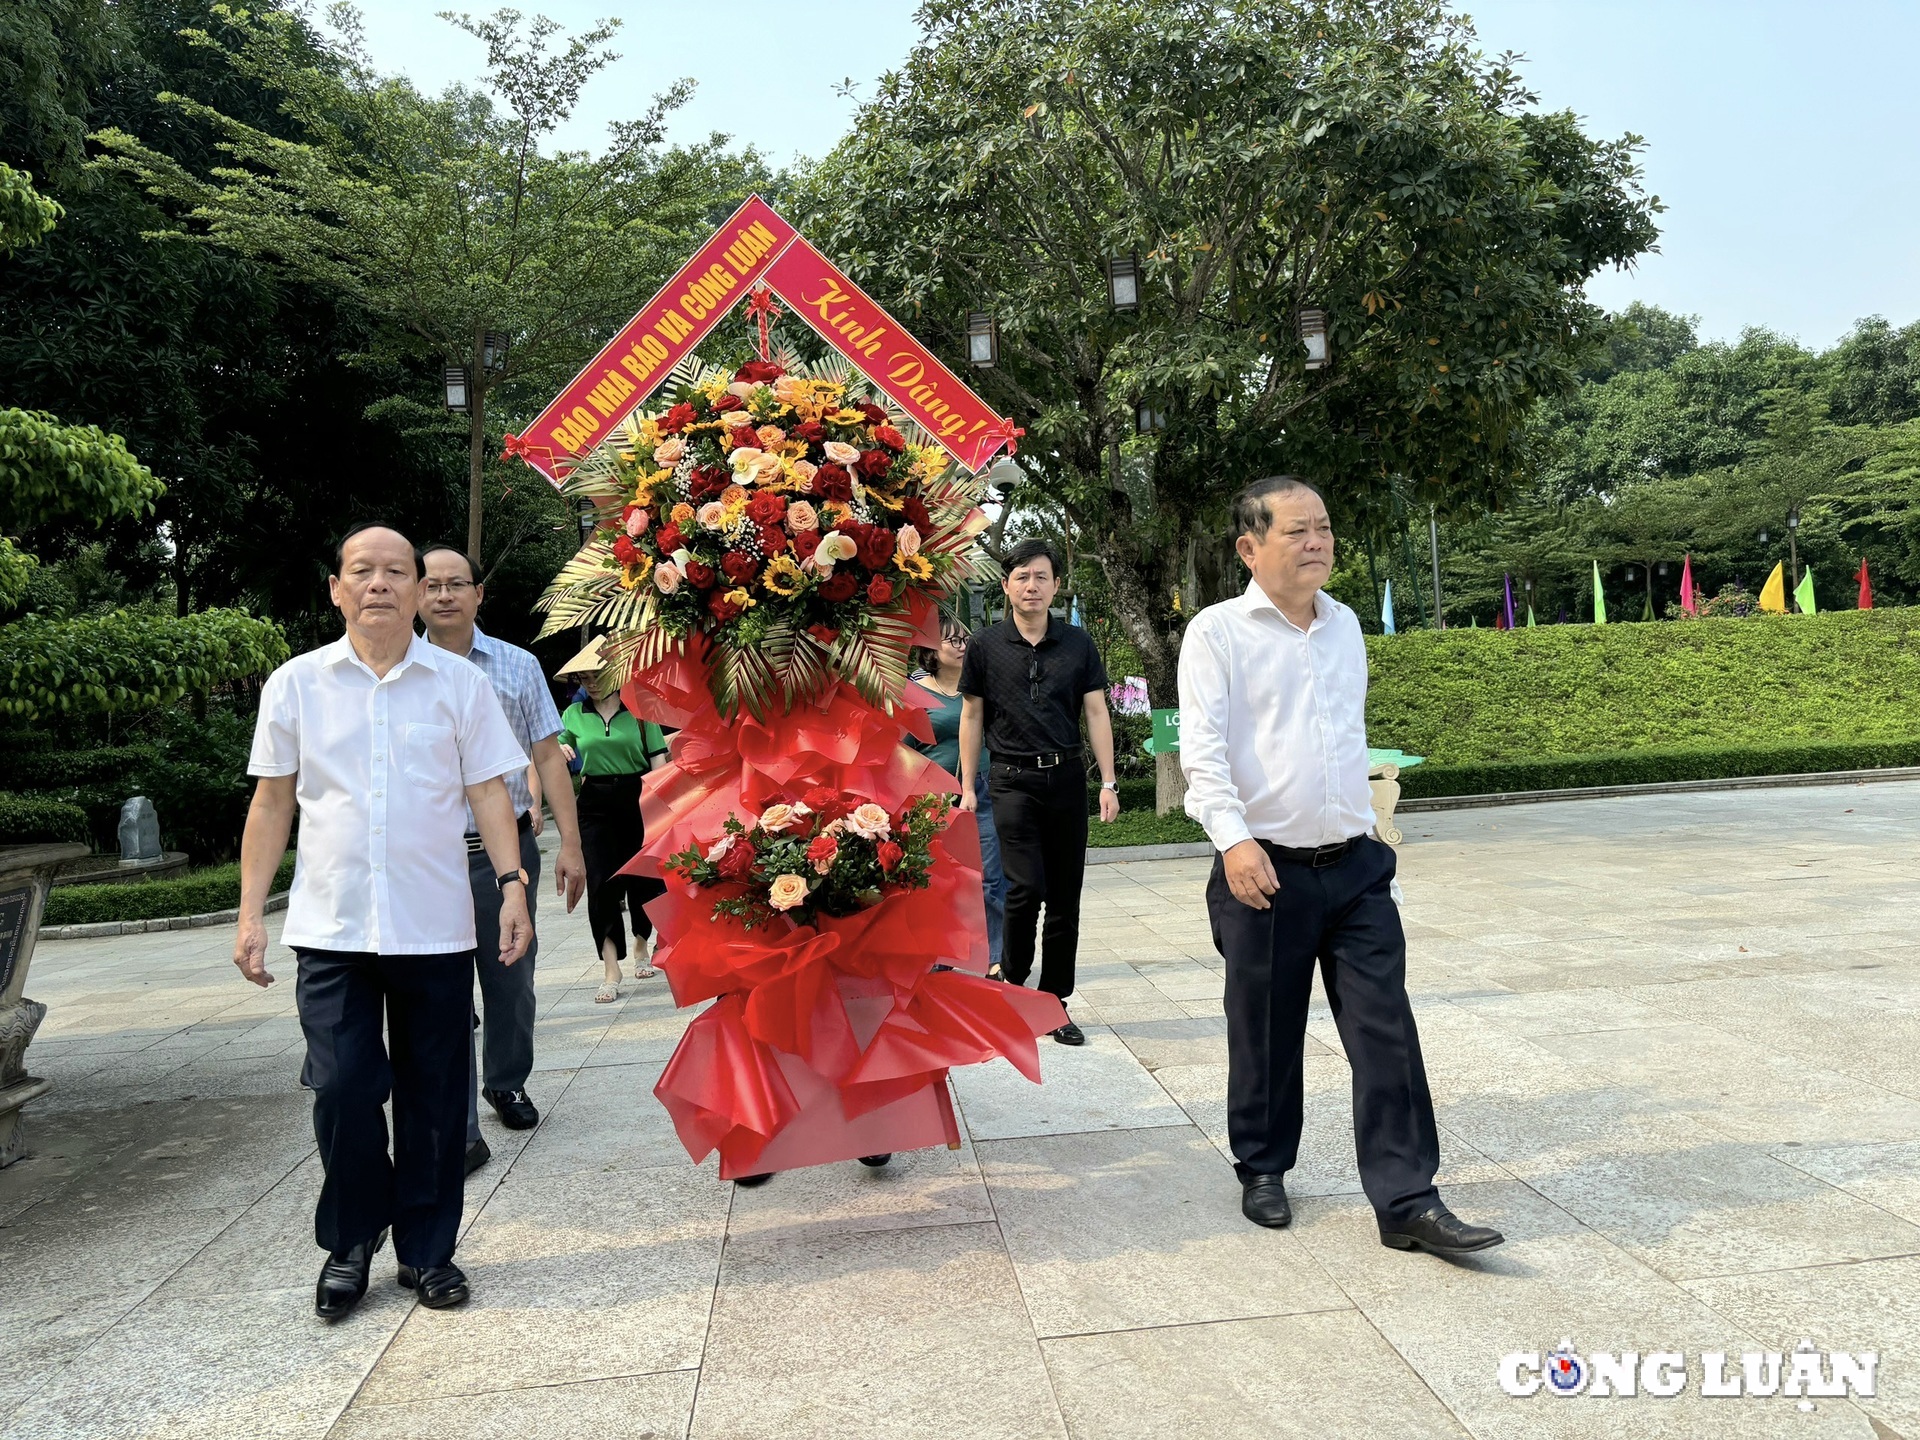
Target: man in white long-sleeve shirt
point(1273, 692)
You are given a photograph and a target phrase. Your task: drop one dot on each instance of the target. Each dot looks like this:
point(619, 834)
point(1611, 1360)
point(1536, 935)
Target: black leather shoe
point(874, 1162)
point(440, 1287)
point(1263, 1200)
point(343, 1279)
point(1438, 1231)
point(749, 1181)
point(1069, 1034)
point(478, 1154)
point(515, 1110)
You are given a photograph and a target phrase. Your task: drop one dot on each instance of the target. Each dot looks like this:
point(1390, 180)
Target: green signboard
point(1166, 733)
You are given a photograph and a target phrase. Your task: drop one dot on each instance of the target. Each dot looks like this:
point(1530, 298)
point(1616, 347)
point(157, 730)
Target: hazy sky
point(1783, 135)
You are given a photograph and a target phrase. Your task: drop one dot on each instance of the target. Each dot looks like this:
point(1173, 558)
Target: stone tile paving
point(1674, 1043)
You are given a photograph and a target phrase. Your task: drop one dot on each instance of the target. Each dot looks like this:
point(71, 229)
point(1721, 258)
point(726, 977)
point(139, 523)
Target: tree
point(1353, 155)
point(442, 215)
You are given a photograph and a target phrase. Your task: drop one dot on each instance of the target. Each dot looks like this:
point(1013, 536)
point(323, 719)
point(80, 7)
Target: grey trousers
point(506, 991)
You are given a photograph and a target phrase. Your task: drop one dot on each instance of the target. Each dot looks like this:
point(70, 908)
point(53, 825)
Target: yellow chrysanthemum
point(782, 577)
point(916, 567)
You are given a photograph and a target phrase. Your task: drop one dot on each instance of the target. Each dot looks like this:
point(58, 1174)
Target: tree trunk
point(1137, 587)
point(476, 446)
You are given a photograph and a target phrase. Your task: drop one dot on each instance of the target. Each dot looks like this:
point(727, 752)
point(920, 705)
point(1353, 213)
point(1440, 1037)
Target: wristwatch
point(1113, 785)
point(509, 877)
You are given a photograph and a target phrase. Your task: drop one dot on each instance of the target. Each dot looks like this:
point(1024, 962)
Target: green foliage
point(50, 471)
point(1655, 765)
point(25, 214)
point(198, 892)
point(16, 573)
point(1143, 827)
point(1257, 158)
point(1480, 695)
point(126, 660)
point(36, 819)
point(195, 773)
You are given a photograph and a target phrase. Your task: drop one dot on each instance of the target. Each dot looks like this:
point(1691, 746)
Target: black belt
point(1319, 857)
point(475, 845)
point(1048, 761)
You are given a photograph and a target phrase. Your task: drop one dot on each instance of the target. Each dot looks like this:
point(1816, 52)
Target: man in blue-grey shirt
point(449, 603)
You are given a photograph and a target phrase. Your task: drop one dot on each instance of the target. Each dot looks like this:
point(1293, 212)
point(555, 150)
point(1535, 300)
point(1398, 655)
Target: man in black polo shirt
point(1024, 686)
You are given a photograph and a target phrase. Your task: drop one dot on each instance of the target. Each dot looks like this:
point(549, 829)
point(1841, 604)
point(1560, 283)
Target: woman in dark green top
point(615, 749)
point(941, 680)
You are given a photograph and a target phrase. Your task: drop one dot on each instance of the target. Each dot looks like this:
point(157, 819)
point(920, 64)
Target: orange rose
point(787, 891)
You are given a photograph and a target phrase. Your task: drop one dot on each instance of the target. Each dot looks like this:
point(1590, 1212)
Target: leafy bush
point(129, 661)
point(198, 892)
point(1653, 765)
point(35, 819)
point(1143, 827)
point(50, 471)
point(196, 776)
point(1474, 696)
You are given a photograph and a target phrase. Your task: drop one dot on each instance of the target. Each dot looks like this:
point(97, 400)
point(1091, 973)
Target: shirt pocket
point(429, 756)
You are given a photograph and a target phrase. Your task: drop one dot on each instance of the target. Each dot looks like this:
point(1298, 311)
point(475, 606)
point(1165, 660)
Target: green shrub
point(196, 776)
point(1143, 827)
point(1473, 696)
point(129, 660)
point(35, 820)
point(1652, 766)
point(198, 892)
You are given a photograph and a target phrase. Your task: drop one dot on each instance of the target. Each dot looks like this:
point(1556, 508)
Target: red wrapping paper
point(830, 1041)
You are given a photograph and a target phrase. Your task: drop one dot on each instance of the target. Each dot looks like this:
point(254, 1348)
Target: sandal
point(608, 992)
point(643, 968)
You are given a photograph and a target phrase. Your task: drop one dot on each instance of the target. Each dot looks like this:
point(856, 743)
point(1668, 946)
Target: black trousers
point(610, 835)
point(426, 1002)
point(1042, 819)
point(506, 991)
point(1343, 916)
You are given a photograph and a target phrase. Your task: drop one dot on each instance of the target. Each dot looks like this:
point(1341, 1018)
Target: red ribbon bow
point(761, 307)
point(1008, 431)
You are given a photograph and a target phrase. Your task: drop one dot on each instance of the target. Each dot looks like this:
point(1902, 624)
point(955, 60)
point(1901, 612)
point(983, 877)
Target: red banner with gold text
point(850, 321)
point(632, 364)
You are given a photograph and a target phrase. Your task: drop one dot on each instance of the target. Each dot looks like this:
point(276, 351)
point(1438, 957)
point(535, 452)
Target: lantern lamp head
point(983, 340)
point(1146, 419)
point(1123, 282)
point(493, 350)
point(459, 399)
point(1314, 336)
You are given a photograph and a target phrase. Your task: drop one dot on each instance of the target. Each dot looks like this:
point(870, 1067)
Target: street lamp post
point(1793, 544)
point(1433, 538)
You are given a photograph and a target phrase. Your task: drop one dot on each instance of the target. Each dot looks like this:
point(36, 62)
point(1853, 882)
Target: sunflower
point(782, 577)
point(632, 577)
point(915, 567)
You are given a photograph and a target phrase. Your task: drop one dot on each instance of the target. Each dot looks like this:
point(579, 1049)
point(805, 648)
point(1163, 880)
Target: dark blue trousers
point(1343, 916)
point(426, 1004)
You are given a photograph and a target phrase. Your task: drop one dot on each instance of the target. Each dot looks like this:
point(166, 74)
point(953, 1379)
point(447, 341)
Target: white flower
point(720, 848)
point(870, 822)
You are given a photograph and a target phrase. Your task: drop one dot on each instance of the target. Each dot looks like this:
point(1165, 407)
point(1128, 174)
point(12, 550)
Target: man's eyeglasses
point(449, 587)
point(1034, 676)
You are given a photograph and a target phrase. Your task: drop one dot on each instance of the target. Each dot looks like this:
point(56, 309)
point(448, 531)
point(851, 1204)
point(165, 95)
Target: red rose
point(626, 552)
point(805, 543)
point(767, 508)
point(875, 463)
point(723, 609)
point(830, 482)
point(737, 863)
point(875, 415)
point(707, 484)
point(669, 538)
point(744, 437)
point(699, 576)
point(826, 635)
point(819, 798)
point(822, 851)
point(879, 590)
point(839, 586)
point(917, 516)
point(758, 372)
point(811, 431)
point(889, 855)
point(772, 540)
point(739, 568)
point(676, 420)
point(876, 546)
point(890, 437)
point(728, 402)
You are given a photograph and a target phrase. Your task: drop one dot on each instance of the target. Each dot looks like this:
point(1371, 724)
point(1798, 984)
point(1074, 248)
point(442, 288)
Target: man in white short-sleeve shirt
point(380, 743)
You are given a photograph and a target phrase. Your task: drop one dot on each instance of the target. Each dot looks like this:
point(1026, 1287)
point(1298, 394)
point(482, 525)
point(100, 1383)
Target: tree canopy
point(1360, 157)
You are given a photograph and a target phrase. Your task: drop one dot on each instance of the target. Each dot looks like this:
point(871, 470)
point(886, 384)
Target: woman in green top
point(615, 749)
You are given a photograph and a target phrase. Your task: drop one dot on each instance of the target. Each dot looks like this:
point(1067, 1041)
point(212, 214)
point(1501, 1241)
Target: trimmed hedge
point(198, 892)
point(1652, 766)
point(1143, 827)
point(36, 820)
point(1464, 697)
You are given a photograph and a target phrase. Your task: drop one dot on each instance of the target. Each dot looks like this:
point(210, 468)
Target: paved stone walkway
point(1674, 1043)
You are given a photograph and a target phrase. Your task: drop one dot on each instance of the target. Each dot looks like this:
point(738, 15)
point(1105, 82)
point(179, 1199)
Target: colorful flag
point(1473, 622)
point(1599, 597)
point(1688, 604)
point(1773, 594)
point(1529, 615)
point(1507, 611)
point(1866, 586)
point(1803, 594)
point(1386, 611)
